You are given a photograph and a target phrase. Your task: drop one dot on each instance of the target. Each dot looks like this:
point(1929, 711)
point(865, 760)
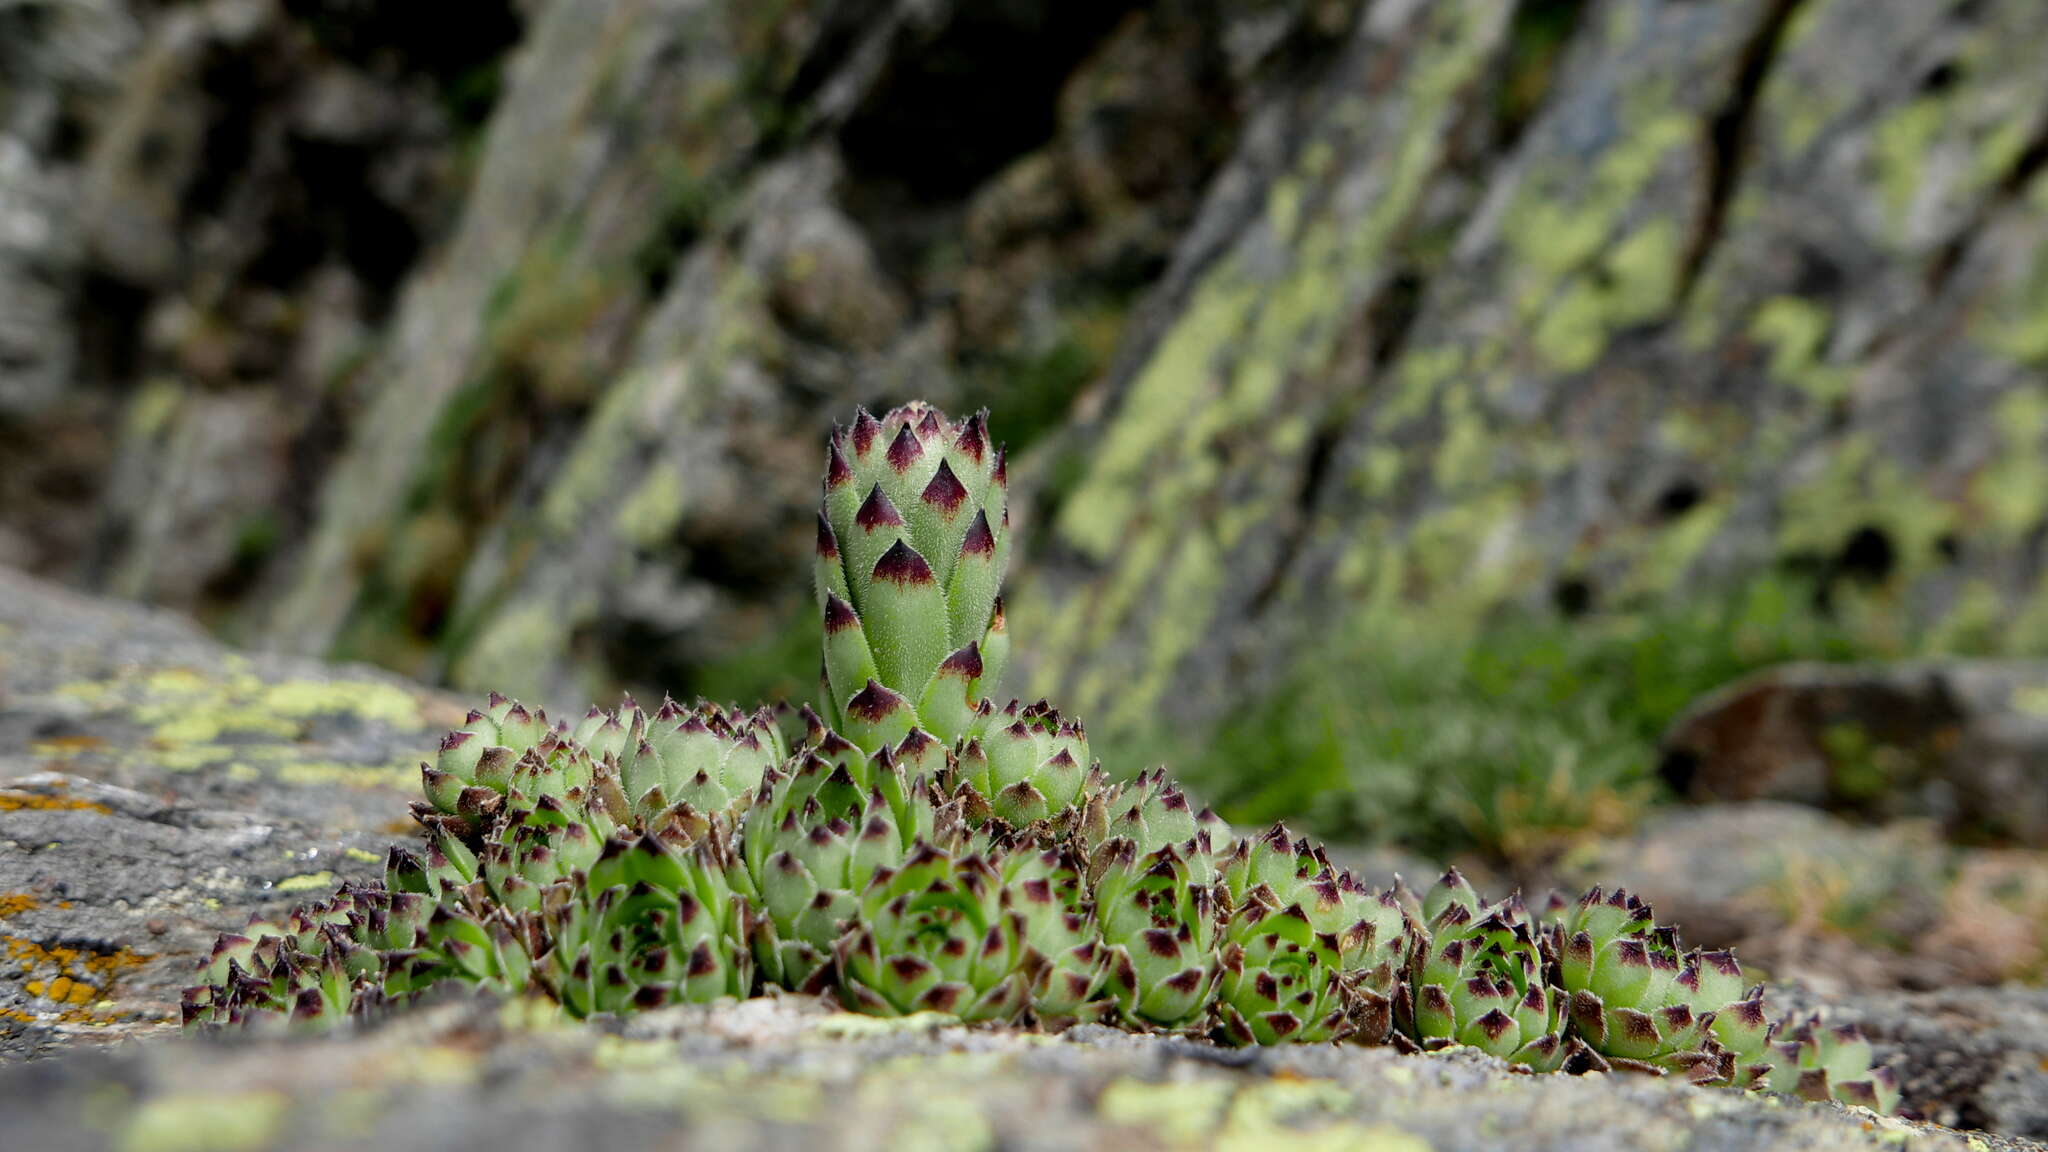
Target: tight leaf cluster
point(916, 848)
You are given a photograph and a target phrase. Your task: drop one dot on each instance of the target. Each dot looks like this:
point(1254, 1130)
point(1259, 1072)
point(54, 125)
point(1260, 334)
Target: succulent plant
point(1642, 1003)
point(916, 849)
point(1151, 812)
point(1159, 914)
point(707, 757)
point(1483, 981)
point(648, 927)
point(1048, 890)
point(814, 839)
point(1023, 765)
point(939, 933)
point(912, 542)
point(1310, 954)
point(1634, 998)
point(320, 963)
point(1818, 1061)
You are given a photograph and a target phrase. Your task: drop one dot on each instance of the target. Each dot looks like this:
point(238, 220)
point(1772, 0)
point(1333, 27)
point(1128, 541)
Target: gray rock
point(1841, 907)
point(779, 1073)
point(533, 402)
point(157, 789)
point(1675, 338)
point(1963, 742)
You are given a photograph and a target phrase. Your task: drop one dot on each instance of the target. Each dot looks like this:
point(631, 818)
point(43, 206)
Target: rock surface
point(1965, 743)
point(482, 360)
point(1838, 906)
point(1755, 289)
point(773, 1073)
point(156, 788)
point(501, 360)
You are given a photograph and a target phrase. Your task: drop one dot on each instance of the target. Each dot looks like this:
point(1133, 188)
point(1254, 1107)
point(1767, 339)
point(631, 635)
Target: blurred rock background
point(1418, 409)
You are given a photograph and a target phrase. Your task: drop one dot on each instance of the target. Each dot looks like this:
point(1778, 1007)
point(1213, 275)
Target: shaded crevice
point(986, 83)
point(461, 50)
point(1321, 451)
point(1728, 138)
point(1541, 33)
point(2030, 163)
point(1388, 322)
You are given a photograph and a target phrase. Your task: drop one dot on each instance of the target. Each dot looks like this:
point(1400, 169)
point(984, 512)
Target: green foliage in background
point(1508, 736)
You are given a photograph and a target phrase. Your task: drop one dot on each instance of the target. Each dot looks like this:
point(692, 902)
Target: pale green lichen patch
point(231, 720)
point(1222, 1114)
point(1180, 1111)
point(2016, 322)
point(519, 641)
point(852, 1026)
point(190, 706)
point(927, 1121)
point(1635, 282)
point(1180, 372)
point(1583, 265)
point(306, 882)
point(2012, 489)
point(1902, 142)
point(1796, 331)
point(237, 1122)
point(651, 513)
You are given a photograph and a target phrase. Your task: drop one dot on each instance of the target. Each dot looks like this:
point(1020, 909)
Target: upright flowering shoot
point(912, 542)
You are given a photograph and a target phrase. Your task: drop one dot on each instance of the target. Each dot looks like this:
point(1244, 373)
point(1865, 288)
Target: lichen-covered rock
point(315, 275)
point(771, 1073)
point(209, 208)
point(1435, 306)
point(1676, 336)
point(157, 789)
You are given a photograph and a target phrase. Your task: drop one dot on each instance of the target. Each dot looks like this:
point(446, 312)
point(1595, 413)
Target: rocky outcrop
point(54, 60)
point(545, 441)
point(481, 357)
point(212, 207)
point(577, 465)
point(1749, 289)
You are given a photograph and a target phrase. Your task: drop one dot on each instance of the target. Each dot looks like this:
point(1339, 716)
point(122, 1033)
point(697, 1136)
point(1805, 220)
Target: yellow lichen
point(307, 882)
point(76, 980)
point(12, 800)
